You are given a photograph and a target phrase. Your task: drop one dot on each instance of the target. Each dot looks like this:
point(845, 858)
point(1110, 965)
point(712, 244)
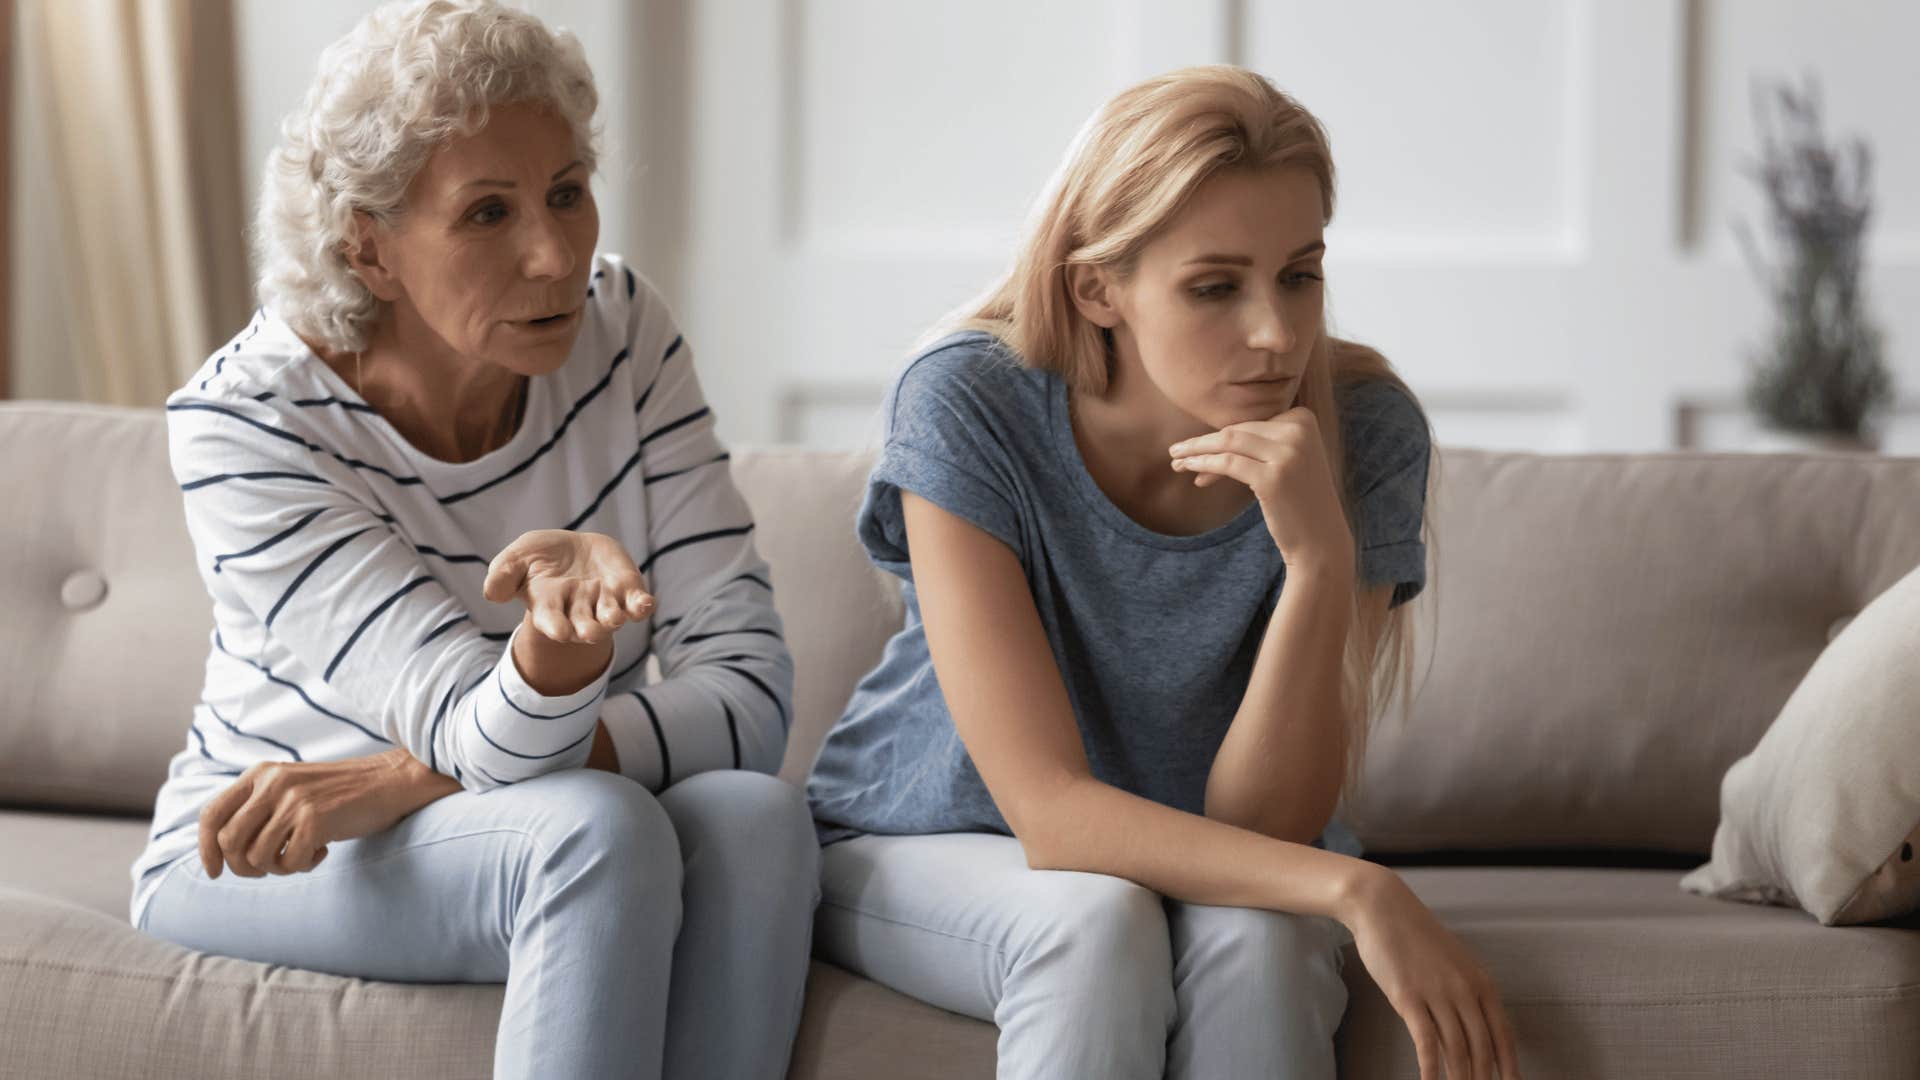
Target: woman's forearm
point(1279, 769)
point(1097, 828)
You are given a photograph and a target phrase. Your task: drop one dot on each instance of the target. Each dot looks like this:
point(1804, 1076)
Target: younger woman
point(1156, 528)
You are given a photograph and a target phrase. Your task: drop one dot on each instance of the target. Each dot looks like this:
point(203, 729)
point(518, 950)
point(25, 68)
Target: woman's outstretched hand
point(578, 587)
point(1283, 460)
point(279, 817)
point(1448, 1001)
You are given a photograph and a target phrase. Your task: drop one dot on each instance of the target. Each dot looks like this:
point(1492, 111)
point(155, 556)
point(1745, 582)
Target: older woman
point(449, 489)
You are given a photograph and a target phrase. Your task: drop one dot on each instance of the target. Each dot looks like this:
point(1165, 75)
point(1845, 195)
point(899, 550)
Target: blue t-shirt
point(1154, 635)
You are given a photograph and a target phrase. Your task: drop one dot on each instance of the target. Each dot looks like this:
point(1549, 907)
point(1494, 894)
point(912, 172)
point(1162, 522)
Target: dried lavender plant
point(1820, 369)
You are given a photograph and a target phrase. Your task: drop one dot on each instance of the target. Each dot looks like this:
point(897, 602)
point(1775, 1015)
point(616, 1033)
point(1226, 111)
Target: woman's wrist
point(407, 784)
point(1361, 891)
point(555, 668)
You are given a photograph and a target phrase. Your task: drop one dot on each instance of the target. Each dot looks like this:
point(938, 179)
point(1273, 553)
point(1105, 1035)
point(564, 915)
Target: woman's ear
point(1092, 289)
point(364, 257)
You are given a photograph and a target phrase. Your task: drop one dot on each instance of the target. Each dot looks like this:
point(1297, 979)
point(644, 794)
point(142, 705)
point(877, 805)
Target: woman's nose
point(1270, 331)
point(547, 254)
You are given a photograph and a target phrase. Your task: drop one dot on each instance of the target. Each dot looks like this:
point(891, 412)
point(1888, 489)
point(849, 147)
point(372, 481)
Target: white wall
point(1535, 203)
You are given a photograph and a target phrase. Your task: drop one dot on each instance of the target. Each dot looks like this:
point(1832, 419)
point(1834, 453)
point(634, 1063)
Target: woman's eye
point(1212, 290)
point(488, 214)
point(567, 197)
point(1298, 278)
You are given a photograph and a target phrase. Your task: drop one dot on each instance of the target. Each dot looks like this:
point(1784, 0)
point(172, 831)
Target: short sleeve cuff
point(1402, 565)
point(960, 493)
point(524, 698)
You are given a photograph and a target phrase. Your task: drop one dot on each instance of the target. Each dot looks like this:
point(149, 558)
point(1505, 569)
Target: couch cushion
point(1614, 631)
point(105, 635)
point(1606, 972)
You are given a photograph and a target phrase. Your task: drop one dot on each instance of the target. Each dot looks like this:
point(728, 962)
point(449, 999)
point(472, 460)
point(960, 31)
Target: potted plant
point(1818, 379)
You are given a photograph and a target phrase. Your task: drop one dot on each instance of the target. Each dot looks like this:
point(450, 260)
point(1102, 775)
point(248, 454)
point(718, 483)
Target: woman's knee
point(747, 820)
point(585, 817)
point(1256, 940)
point(1109, 925)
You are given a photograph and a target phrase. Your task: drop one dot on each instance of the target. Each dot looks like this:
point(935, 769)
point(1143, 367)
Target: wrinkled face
point(1224, 305)
point(492, 250)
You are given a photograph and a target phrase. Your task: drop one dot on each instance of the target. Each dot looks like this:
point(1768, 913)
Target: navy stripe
point(657, 477)
point(221, 478)
point(630, 283)
point(565, 422)
point(764, 688)
point(691, 638)
point(500, 681)
point(755, 578)
point(604, 492)
point(298, 689)
point(488, 775)
point(289, 436)
point(530, 757)
point(248, 735)
point(438, 554)
point(498, 635)
point(176, 828)
point(659, 736)
point(268, 542)
point(676, 425)
point(442, 628)
point(673, 347)
point(264, 395)
point(351, 406)
point(433, 730)
point(193, 728)
point(327, 676)
point(311, 567)
point(688, 541)
point(733, 733)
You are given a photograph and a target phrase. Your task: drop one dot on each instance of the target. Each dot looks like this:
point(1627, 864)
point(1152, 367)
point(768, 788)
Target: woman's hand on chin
point(1284, 462)
point(578, 587)
point(279, 817)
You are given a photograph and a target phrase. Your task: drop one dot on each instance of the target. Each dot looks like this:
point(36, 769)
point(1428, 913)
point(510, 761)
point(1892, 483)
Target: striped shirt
point(345, 569)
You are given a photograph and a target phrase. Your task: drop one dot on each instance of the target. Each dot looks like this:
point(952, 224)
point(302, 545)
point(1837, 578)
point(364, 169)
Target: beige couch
point(1611, 633)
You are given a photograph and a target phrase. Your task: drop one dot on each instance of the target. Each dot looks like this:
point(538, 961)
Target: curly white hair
point(409, 77)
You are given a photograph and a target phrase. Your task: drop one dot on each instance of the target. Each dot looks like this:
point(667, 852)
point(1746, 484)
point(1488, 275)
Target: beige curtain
point(140, 129)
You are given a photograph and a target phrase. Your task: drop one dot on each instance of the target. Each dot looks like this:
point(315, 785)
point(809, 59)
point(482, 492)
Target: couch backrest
point(1601, 637)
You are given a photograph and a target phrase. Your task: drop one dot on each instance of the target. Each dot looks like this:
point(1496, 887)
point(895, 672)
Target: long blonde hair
point(1130, 170)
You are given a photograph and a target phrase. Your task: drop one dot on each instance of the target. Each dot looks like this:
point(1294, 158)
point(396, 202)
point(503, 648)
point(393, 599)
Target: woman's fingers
point(1426, 1039)
point(238, 834)
point(1244, 469)
point(586, 625)
point(264, 851)
point(550, 615)
point(214, 817)
point(505, 576)
point(1453, 1040)
point(1250, 440)
point(1479, 1040)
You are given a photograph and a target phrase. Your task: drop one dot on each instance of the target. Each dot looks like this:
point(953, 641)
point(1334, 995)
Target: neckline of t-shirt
point(1060, 422)
point(420, 459)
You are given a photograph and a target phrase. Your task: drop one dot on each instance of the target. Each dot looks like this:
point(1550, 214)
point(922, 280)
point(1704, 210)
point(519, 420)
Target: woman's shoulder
point(968, 375)
point(1382, 428)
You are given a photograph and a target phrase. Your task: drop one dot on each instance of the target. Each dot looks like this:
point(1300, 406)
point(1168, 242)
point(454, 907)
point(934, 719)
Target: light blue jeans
point(584, 893)
point(1085, 974)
